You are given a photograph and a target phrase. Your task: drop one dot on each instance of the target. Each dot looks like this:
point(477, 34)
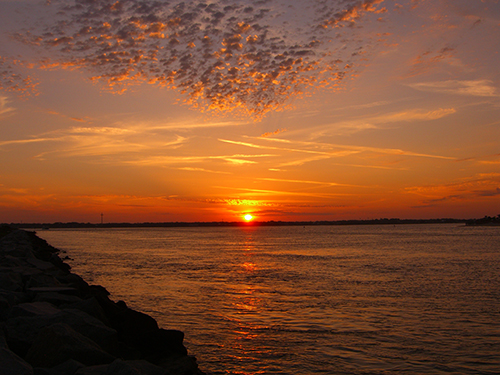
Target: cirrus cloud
point(483, 88)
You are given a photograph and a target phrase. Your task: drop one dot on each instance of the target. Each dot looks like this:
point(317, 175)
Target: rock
point(180, 365)
point(43, 371)
point(5, 307)
point(70, 367)
point(11, 281)
point(27, 271)
point(64, 326)
point(74, 281)
point(91, 307)
point(17, 244)
point(34, 309)
point(140, 330)
point(58, 343)
point(41, 264)
point(42, 280)
point(11, 364)
point(140, 367)
point(56, 289)
point(8, 262)
point(132, 324)
point(56, 298)
point(162, 342)
point(87, 325)
point(8, 299)
point(92, 370)
point(21, 331)
point(121, 367)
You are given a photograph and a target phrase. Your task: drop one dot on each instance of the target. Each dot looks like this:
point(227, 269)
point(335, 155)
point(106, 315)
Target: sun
point(248, 217)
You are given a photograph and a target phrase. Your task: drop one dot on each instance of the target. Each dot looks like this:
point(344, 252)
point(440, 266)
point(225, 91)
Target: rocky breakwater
point(52, 322)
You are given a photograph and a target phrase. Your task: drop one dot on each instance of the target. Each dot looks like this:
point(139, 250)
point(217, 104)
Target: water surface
point(309, 300)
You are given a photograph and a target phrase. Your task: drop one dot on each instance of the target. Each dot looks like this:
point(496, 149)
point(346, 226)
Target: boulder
point(59, 342)
point(11, 364)
point(93, 328)
point(180, 365)
point(132, 324)
point(69, 367)
point(41, 264)
point(75, 281)
point(56, 298)
point(92, 370)
point(140, 330)
point(42, 280)
point(52, 322)
point(139, 367)
point(17, 244)
point(161, 342)
point(8, 262)
point(56, 289)
point(91, 307)
point(8, 299)
point(5, 307)
point(11, 281)
point(34, 309)
point(21, 331)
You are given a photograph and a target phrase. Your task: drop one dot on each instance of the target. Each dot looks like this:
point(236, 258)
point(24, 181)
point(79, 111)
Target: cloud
point(352, 13)
point(297, 153)
point(4, 105)
point(77, 119)
point(253, 145)
point(202, 170)
point(482, 88)
point(322, 183)
point(337, 149)
point(13, 80)
point(246, 55)
point(247, 202)
point(377, 122)
point(101, 130)
point(101, 141)
point(185, 125)
point(467, 189)
point(491, 160)
point(265, 192)
point(415, 115)
point(427, 61)
point(27, 141)
point(269, 134)
point(164, 160)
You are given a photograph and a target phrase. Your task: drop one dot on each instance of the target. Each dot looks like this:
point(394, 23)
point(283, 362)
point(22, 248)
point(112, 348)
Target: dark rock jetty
point(52, 322)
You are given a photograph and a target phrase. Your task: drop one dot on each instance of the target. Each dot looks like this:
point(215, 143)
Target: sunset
point(217, 187)
point(201, 111)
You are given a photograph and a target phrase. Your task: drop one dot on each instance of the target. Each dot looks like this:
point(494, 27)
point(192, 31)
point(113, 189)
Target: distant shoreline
point(70, 225)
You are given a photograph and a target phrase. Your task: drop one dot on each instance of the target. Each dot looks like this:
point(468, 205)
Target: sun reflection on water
point(249, 266)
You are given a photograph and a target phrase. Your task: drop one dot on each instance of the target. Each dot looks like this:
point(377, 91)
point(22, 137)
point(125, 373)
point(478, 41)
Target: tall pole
point(102, 215)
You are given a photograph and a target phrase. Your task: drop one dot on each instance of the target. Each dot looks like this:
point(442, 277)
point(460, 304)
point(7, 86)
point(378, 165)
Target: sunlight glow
point(248, 217)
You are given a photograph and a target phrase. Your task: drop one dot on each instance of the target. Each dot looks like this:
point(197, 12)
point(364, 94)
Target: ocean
point(367, 299)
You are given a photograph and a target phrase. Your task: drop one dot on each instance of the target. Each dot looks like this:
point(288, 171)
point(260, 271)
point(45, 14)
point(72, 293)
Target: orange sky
point(287, 110)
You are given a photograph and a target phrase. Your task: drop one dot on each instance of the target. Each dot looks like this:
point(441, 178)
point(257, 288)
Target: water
point(410, 299)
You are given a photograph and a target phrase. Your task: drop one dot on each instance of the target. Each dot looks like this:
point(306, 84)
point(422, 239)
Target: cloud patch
point(248, 55)
point(468, 189)
point(4, 105)
point(482, 88)
point(11, 80)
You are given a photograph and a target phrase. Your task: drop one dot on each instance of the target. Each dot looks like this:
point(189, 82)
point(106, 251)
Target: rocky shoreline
point(52, 322)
